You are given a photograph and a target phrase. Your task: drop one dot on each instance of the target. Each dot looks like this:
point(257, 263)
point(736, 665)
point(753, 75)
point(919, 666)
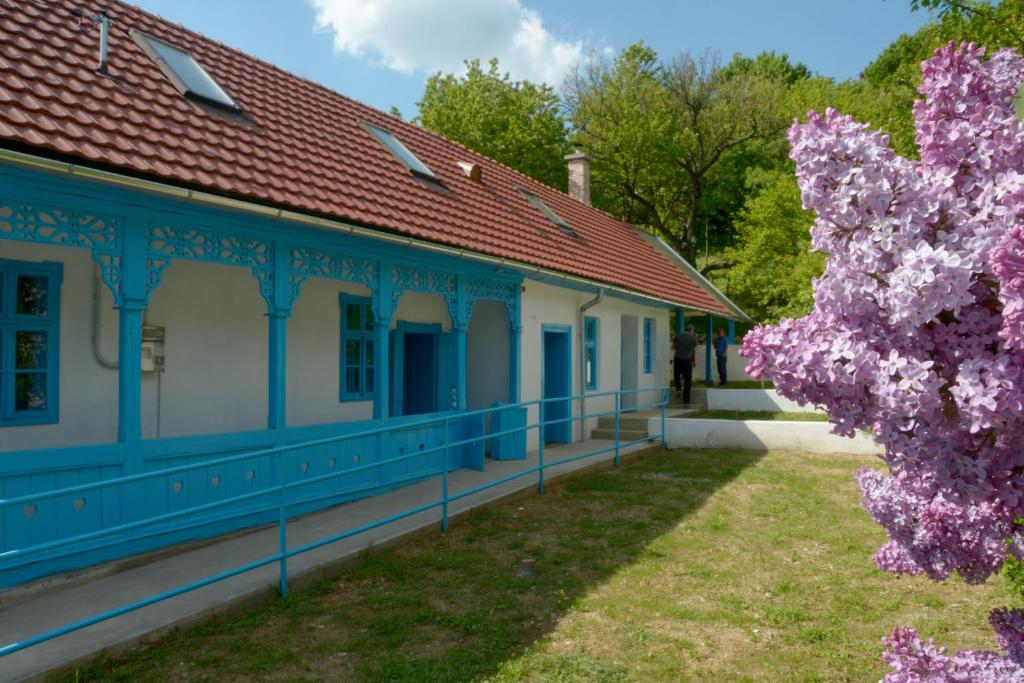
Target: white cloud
point(437, 35)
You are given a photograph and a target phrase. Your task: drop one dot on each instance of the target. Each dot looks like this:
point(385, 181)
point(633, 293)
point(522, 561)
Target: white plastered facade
point(545, 304)
point(216, 350)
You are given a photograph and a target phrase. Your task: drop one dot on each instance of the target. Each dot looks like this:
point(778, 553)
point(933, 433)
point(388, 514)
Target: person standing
point(722, 356)
point(684, 346)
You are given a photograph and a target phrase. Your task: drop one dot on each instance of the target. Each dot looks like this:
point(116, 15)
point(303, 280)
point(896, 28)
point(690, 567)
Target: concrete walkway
point(52, 608)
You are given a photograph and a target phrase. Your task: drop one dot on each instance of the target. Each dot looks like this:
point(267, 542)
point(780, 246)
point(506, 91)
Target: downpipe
point(96, 352)
point(583, 356)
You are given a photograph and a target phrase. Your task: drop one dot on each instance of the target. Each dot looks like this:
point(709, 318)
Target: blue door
point(419, 373)
point(556, 381)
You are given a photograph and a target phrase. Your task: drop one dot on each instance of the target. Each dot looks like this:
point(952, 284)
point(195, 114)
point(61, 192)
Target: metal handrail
point(282, 488)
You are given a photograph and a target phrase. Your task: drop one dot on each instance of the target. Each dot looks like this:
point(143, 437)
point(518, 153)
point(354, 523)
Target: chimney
point(579, 176)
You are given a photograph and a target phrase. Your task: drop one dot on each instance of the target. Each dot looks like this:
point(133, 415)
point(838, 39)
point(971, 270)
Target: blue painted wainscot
point(134, 236)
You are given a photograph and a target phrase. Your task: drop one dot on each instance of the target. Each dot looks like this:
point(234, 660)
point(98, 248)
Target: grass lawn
point(745, 384)
point(757, 415)
point(685, 566)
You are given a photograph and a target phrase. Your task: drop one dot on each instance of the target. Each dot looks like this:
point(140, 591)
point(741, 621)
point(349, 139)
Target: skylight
point(184, 72)
point(547, 211)
point(401, 152)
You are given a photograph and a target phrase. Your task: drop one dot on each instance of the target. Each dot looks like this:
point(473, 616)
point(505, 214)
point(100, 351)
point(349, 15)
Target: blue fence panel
point(508, 446)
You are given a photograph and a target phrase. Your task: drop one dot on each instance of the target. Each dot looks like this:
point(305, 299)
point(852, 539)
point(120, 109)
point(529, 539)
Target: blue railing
point(282, 489)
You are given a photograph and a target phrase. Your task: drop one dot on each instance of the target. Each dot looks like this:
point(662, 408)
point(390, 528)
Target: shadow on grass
point(454, 607)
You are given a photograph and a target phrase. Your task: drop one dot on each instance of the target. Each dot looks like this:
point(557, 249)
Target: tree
point(655, 131)
point(517, 123)
point(999, 24)
point(773, 263)
point(621, 117)
point(917, 333)
point(739, 174)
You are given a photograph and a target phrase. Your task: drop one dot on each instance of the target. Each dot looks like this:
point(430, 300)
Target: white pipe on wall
point(583, 356)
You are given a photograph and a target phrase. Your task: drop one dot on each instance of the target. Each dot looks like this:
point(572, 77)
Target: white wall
point(215, 379)
point(547, 304)
point(737, 365)
point(421, 307)
point(88, 392)
point(761, 435)
point(216, 350)
point(754, 399)
point(215, 376)
point(314, 356)
point(487, 349)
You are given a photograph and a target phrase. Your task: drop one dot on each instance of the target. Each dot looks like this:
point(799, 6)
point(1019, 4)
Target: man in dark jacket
point(684, 346)
point(722, 356)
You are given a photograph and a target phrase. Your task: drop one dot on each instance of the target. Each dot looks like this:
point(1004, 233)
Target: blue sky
point(381, 51)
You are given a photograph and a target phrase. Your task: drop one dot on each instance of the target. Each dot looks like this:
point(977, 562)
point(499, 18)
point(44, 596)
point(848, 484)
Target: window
point(547, 211)
point(29, 341)
point(357, 357)
point(590, 357)
point(648, 345)
point(184, 72)
point(401, 152)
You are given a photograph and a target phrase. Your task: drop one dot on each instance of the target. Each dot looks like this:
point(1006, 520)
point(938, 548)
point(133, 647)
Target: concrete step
point(636, 424)
point(698, 398)
point(624, 434)
point(683, 410)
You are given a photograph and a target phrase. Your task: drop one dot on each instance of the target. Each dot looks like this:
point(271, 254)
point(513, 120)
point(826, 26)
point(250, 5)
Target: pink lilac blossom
point(917, 333)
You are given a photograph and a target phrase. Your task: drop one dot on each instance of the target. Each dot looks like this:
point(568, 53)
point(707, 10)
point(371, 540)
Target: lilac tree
point(917, 333)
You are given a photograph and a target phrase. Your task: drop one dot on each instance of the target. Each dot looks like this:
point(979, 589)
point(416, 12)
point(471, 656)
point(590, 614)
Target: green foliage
point(1013, 570)
point(775, 68)
point(621, 114)
point(774, 266)
point(518, 123)
point(656, 130)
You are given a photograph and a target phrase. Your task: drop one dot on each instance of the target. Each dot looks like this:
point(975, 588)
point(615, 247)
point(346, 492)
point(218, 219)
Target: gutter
point(583, 357)
point(107, 177)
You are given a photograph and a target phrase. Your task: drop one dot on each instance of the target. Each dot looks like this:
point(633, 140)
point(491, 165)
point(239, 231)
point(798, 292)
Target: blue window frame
point(29, 342)
point(590, 352)
point(648, 345)
point(357, 353)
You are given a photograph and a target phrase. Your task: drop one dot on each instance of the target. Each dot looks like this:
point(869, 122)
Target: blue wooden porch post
point(515, 313)
point(460, 325)
point(515, 344)
point(382, 305)
point(732, 332)
point(709, 341)
point(133, 301)
point(279, 308)
point(680, 320)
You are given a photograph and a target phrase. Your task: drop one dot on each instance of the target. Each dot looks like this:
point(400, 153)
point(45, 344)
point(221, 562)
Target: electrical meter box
point(152, 348)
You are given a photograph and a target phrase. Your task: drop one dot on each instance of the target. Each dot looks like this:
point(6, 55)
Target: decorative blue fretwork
point(414, 279)
point(154, 273)
point(201, 244)
point(492, 290)
point(307, 261)
point(30, 222)
point(165, 242)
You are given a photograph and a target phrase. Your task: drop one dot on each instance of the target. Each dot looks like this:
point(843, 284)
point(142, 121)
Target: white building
point(312, 287)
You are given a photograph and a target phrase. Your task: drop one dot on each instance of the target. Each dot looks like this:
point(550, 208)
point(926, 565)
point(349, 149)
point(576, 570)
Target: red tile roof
point(299, 147)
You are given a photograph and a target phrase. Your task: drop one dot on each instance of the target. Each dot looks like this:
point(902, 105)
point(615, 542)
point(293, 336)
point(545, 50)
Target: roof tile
point(297, 145)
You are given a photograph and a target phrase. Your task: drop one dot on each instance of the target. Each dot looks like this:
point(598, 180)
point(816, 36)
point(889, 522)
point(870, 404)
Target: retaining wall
point(760, 435)
point(754, 399)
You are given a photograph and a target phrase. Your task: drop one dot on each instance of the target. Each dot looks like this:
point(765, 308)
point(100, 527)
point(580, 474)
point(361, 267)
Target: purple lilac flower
point(917, 333)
